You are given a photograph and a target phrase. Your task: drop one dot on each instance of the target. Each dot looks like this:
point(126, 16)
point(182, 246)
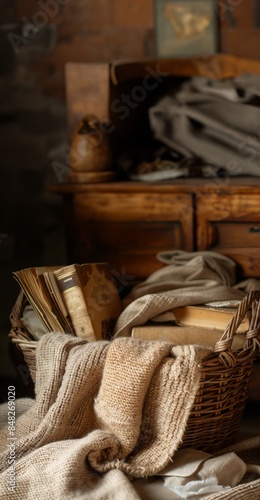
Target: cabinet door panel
point(118, 236)
point(132, 246)
point(129, 229)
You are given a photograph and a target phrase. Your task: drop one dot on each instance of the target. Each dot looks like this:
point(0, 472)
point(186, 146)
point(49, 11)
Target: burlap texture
point(103, 411)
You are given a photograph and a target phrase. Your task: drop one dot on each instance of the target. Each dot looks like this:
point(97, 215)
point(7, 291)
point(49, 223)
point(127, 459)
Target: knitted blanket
point(105, 412)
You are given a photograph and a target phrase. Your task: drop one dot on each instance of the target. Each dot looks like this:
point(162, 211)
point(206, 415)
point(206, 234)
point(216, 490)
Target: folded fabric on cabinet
point(214, 121)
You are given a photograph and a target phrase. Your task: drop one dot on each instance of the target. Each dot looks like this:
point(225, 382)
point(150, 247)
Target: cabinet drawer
point(230, 224)
point(134, 206)
point(233, 234)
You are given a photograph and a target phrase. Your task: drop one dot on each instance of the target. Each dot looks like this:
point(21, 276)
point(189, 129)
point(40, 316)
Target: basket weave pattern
point(221, 398)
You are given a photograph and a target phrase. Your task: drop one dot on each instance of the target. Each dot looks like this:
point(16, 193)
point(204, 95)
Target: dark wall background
point(37, 38)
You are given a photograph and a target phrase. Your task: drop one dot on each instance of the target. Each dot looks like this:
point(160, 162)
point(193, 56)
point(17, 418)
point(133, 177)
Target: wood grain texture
point(215, 66)
point(240, 207)
point(127, 224)
point(230, 224)
point(195, 185)
point(128, 231)
point(134, 207)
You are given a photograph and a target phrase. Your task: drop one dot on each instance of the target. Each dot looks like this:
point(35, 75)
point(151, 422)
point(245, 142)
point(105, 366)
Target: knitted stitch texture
point(118, 408)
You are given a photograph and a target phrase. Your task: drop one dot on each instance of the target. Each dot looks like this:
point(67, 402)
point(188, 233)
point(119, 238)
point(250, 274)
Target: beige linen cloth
point(104, 411)
point(187, 278)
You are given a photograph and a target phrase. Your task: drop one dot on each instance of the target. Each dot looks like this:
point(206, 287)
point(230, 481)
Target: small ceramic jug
point(90, 148)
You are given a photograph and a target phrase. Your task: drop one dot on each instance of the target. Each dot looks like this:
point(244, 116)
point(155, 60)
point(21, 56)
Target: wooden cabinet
point(128, 223)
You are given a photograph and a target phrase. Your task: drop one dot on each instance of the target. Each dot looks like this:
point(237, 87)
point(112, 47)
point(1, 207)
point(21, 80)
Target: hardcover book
point(193, 324)
point(91, 297)
point(80, 299)
point(209, 317)
point(183, 335)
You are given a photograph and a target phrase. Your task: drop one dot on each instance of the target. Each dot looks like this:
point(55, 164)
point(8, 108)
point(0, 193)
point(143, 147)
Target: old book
point(70, 287)
point(182, 335)
point(79, 299)
point(209, 317)
point(102, 304)
point(59, 307)
point(34, 287)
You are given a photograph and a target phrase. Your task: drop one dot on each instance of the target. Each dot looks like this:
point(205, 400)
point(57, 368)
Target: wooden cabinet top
point(189, 185)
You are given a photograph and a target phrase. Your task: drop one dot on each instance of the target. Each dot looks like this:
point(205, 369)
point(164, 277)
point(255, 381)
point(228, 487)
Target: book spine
point(72, 294)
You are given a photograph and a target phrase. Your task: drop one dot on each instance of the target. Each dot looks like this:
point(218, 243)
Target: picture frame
point(185, 28)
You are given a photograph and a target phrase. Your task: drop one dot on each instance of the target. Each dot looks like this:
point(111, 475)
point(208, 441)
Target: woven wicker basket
point(225, 375)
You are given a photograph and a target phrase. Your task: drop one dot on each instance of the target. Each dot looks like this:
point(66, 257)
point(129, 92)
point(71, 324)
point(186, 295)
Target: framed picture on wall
point(185, 28)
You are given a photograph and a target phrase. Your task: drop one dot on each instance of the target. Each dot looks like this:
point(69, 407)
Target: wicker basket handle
point(252, 344)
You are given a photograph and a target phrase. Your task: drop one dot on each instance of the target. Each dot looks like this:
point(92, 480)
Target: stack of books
point(193, 325)
point(80, 299)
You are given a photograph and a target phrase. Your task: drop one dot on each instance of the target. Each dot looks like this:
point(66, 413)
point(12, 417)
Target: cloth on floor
point(236, 467)
point(104, 411)
point(189, 278)
point(249, 488)
point(192, 475)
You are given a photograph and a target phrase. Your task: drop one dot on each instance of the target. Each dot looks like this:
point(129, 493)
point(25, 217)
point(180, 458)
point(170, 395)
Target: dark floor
point(250, 425)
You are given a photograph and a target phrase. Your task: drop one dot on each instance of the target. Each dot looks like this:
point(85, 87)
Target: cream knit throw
point(103, 412)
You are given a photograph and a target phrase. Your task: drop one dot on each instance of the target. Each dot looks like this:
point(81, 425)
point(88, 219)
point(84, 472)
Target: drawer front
point(230, 224)
point(134, 206)
point(235, 234)
point(128, 230)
